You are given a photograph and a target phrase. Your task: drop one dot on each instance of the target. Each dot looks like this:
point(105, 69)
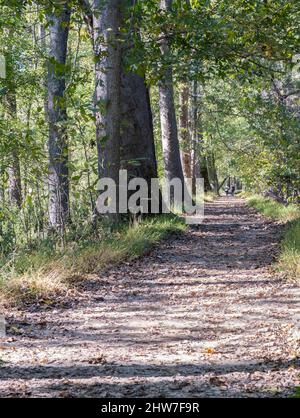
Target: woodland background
point(179, 88)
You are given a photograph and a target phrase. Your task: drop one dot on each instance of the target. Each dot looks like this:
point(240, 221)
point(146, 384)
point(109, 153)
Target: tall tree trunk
point(14, 172)
point(107, 50)
point(204, 174)
point(2, 190)
point(137, 138)
point(14, 175)
point(196, 134)
point(200, 167)
point(185, 140)
point(44, 86)
point(137, 135)
point(170, 143)
point(133, 146)
point(212, 172)
point(59, 212)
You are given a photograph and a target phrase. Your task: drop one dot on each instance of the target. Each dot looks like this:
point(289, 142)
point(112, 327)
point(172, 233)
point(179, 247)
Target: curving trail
point(202, 316)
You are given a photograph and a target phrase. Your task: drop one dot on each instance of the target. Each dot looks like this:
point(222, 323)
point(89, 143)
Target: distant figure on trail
point(232, 191)
point(227, 190)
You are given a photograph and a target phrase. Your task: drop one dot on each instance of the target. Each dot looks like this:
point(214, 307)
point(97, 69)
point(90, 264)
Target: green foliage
point(289, 261)
point(209, 197)
point(297, 394)
point(213, 39)
point(253, 134)
point(274, 210)
point(237, 51)
point(42, 274)
point(289, 258)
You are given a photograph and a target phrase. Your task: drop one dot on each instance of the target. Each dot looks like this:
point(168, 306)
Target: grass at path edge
point(289, 259)
point(41, 277)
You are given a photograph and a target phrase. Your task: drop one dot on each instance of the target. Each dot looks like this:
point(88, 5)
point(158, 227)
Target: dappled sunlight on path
point(202, 315)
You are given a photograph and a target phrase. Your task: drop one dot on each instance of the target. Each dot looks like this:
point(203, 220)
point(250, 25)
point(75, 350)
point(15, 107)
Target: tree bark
point(2, 190)
point(185, 140)
point(199, 169)
point(204, 174)
point(107, 51)
point(134, 148)
point(170, 142)
point(212, 172)
point(137, 138)
point(14, 171)
point(59, 211)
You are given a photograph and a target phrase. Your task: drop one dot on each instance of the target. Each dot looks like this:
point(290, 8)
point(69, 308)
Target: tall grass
point(289, 259)
point(42, 275)
point(273, 209)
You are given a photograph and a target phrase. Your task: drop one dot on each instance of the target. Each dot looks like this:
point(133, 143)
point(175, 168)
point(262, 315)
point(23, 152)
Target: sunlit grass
point(42, 276)
point(289, 259)
point(209, 197)
point(273, 209)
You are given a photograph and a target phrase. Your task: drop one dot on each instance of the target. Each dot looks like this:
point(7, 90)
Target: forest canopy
point(183, 88)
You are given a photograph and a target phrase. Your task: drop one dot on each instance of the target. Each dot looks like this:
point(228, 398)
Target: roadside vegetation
point(43, 274)
point(289, 259)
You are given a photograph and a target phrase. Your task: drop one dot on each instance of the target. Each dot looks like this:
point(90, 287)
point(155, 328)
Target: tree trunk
point(2, 190)
point(212, 172)
point(14, 172)
point(137, 138)
point(14, 175)
point(170, 143)
point(126, 141)
point(107, 50)
point(185, 140)
point(59, 212)
point(204, 174)
point(196, 135)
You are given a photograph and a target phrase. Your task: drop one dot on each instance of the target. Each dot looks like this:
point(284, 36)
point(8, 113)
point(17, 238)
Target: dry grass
point(209, 197)
point(44, 277)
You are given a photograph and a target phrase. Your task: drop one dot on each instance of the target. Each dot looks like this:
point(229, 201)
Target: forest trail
point(201, 316)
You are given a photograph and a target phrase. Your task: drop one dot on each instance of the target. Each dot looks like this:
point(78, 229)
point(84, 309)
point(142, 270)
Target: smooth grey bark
point(170, 142)
point(58, 179)
point(107, 50)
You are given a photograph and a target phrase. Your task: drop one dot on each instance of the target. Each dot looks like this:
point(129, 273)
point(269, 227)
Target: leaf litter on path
point(202, 315)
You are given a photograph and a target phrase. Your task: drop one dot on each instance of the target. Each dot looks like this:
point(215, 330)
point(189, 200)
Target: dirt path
point(201, 316)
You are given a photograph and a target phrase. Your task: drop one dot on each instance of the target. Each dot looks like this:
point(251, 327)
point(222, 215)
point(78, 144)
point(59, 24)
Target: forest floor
point(202, 315)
